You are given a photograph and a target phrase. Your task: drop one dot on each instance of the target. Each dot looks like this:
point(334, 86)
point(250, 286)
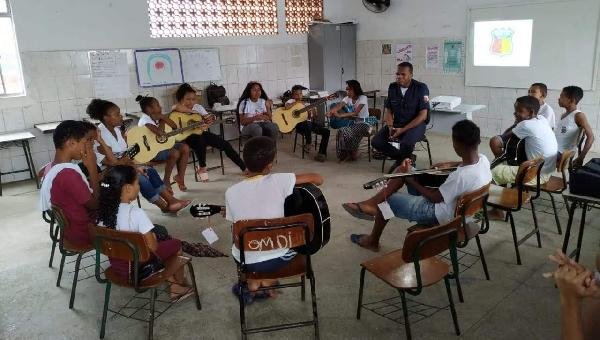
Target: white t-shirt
point(548, 113)
point(259, 197)
point(403, 90)
point(145, 119)
point(539, 141)
point(132, 218)
point(464, 179)
point(118, 145)
point(364, 112)
point(250, 109)
point(567, 132)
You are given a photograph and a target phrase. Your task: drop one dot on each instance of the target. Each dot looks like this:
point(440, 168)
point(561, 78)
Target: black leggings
point(198, 143)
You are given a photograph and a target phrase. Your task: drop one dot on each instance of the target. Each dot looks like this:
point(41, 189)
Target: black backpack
point(216, 94)
point(586, 180)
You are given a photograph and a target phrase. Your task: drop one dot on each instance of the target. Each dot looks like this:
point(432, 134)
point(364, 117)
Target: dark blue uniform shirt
point(406, 108)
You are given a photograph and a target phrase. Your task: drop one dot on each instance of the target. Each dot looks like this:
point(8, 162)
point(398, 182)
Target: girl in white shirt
point(118, 189)
point(357, 108)
point(254, 109)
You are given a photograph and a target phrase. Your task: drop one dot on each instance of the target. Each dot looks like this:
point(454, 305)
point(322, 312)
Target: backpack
point(216, 94)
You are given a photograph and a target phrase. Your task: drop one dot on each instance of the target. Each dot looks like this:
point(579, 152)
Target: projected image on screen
point(502, 43)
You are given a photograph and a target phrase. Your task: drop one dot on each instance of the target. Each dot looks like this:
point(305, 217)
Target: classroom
point(299, 169)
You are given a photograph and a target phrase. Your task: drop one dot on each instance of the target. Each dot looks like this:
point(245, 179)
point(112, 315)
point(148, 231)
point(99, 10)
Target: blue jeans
point(151, 185)
point(413, 208)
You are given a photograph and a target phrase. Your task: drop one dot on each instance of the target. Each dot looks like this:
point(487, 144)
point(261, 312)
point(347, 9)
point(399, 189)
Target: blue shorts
point(164, 155)
point(413, 208)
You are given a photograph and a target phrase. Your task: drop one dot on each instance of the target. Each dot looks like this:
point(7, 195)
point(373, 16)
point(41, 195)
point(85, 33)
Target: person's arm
point(418, 120)
point(388, 118)
point(89, 161)
point(290, 103)
point(151, 241)
point(313, 178)
point(182, 108)
point(582, 122)
point(269, 113)
point(334, 110)
point(354, 113)
point(166, 120)
point(155, 129)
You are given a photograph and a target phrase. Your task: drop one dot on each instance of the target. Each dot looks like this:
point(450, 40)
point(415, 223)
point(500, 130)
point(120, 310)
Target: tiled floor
point(517, 303)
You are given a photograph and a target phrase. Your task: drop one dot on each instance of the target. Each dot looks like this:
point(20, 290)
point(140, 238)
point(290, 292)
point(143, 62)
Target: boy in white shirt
point(424, 204)
point(571, 123)
point(307, 127)
point(261, 196)
point(540, 91)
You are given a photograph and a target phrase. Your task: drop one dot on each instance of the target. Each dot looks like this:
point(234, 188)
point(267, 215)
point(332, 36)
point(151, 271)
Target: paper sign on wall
point(158, 67)
point(110, 74)
point(453, 56)
point(432, 57)
point(403, 53)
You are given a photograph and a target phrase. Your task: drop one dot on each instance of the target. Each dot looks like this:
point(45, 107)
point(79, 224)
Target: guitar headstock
point(203, 210)
point(377, 184)
point(133, 151)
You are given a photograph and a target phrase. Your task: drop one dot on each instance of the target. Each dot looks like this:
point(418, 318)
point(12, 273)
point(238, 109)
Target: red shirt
point(70, 193)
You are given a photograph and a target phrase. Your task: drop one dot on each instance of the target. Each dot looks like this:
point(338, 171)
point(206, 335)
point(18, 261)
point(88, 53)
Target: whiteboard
point(110, 74)
point(201, 64)
point(563, 48)
point(158, 67)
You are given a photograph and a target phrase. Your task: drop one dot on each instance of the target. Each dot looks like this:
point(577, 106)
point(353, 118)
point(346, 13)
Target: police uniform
point(405, 107)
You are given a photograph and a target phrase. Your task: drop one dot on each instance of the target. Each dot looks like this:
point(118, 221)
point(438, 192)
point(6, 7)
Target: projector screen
point(516, 45)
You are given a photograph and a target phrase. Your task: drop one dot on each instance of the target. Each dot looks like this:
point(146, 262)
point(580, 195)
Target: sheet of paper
point(386, 210)
point(209, 235)
point(110, 74)
point(403, 53)
point(432, 57)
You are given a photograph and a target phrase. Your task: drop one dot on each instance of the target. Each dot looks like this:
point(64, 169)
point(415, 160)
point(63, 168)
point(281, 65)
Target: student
point(112, 153)
point(356, 107)
point(65, 185)
point(540, 91)
point(261, 196)
point(153, 119)
point(118, 191)
point(306, 128)
point(539, 141)
point(254, 109)
point(426, 205)
point(186, 103)
point(571, 123)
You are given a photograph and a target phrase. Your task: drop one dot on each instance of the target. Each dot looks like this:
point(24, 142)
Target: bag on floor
point(216, 94)
point(586, 180)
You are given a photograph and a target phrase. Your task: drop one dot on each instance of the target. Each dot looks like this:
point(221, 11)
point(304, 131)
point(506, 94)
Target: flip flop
point(237, 290)
point(358, 213)
point(183, 296)
point(202, 175)
point(355, 238)
point(181, 185)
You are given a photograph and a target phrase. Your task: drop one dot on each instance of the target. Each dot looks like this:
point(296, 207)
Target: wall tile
point(68, 110)
point(13, 119)
point(32, 114)
point(80, 62)
point(51, 111)
point(83, 86)
point(66, 87)
point(46, 88)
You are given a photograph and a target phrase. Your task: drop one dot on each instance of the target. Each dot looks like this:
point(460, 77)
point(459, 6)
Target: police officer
point(406, 110)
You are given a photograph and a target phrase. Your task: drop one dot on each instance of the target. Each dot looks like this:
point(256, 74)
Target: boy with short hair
point(423, 203)
point(307, 127)
point(66, 186)
point(540, 91)
point(261, 196)
point(571, 123)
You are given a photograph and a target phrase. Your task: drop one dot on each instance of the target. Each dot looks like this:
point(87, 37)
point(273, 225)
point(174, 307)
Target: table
point(576, 200)
point(442, 120)
point(20, 138)
point(373, 95)
point(47, 127)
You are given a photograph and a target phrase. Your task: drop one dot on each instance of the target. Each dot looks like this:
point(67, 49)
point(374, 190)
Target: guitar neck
point(315, 104)
point(419, 172)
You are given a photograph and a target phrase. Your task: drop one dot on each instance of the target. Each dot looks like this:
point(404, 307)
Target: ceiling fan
point(376, 6)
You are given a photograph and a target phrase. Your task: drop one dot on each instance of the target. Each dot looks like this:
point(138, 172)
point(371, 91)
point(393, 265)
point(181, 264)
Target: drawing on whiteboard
point(502, 41)
point(158, 67)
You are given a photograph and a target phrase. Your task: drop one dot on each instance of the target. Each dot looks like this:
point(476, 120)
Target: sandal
point(202, 174)
point(174, 211)
point(180, 184)
point(358, 213)
point(179, 297)
point(241, 290)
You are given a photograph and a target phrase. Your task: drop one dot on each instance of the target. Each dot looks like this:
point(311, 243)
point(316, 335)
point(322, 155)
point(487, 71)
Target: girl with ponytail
point(118, 190)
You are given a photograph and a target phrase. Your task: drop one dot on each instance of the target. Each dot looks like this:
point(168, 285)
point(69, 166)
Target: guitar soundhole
point(161, 139)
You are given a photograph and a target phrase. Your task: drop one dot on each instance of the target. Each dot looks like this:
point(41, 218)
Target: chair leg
point(429, 152)
point(60, 270)
point(514, 235)
point(242, 310)
point(295, 142)
point(303, 288)
point(193, 278)
point(383, 165)
point(75, 275)
point(303, 141)
point(151, 321)
point(360, 293)
point(105, 309)
point(405, 312)
point(535, 224)
point(558, 227)
point(452, 310)
point(194, 163)
point(482, 257)
point(369, 147)
point(313, 296)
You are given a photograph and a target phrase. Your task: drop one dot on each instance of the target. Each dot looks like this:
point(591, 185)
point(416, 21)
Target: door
point(348, 53)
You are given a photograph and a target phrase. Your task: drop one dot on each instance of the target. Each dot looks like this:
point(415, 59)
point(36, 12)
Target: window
point(204, 18)
point(299, 13)
point(11, 74)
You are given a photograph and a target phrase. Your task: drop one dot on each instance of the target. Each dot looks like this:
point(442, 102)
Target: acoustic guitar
point(306, 198)
point(287, 119)
point(441, 173)
point(195, 119)
point(514, 153)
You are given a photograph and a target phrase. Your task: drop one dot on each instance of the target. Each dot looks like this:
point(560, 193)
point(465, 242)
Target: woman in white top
point(255, 112)
point(571, 123)
point(113, 153)
point(118, 189)
point(356, 107)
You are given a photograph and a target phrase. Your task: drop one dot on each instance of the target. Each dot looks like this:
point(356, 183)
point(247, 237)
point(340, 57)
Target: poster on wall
point(432, 57)
point(453, 56)
point(201, 64)
point(403, 53)
point(158, 67)
point(110, 74)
